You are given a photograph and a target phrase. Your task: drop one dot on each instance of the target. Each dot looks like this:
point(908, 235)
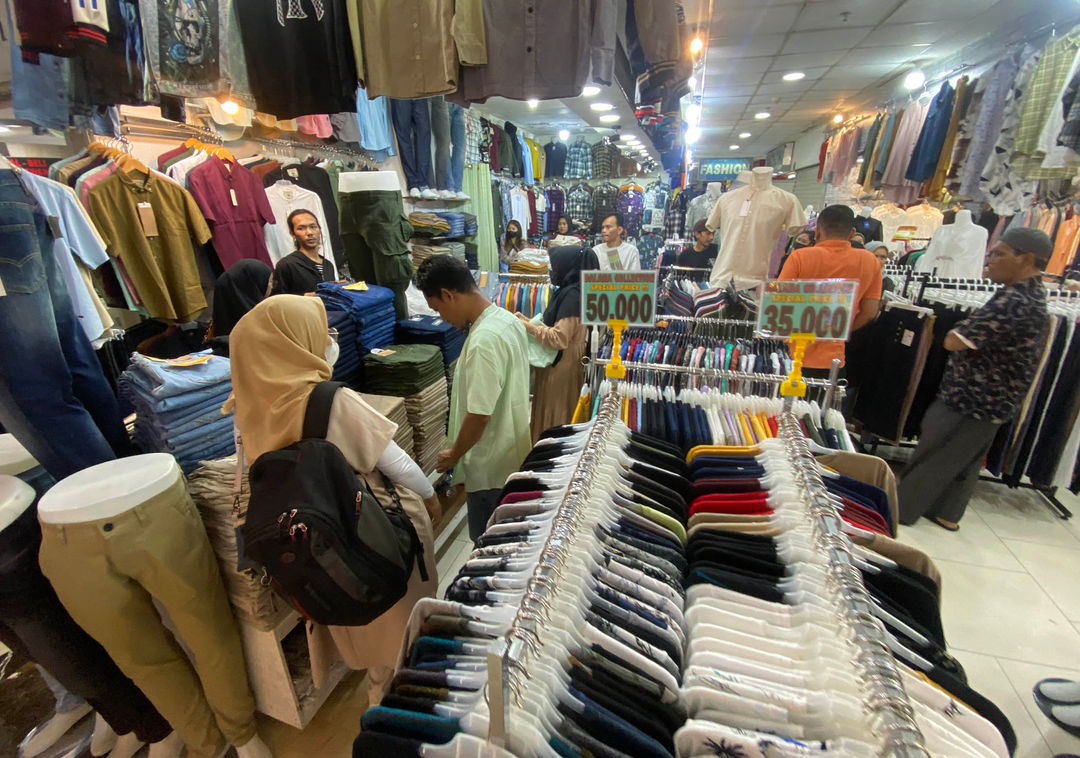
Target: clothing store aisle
point(1011, 603)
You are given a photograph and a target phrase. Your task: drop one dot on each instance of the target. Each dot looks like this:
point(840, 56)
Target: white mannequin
point(750, 220)
point(105, 491)
point(369, 181)
point(956, 250)
point(741, 180)
point(866, 211)
point(14, 458)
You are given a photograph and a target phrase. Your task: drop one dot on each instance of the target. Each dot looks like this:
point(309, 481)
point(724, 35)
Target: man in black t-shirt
point(299, 272)
point(994, 357)
point(702, 254)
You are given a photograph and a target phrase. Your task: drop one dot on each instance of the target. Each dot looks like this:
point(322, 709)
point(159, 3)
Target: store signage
point(628, 296)
point(822, 307)
point(722, 169)
point(39, 166)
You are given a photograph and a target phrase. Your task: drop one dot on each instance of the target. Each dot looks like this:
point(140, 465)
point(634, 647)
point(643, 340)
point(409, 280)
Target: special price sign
point(618, 295)
point(822, 307)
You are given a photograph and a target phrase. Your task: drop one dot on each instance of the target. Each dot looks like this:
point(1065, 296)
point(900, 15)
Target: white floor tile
point(1021, 515)
point(1004, 614)
point(975, 543)
point(456, 554)
point(1024, 677)
point(988, 678)
point(1054, 568)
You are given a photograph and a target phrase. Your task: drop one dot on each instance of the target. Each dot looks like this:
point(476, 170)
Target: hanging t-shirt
point(317, 180)
point(285, 198)
point(299, 55)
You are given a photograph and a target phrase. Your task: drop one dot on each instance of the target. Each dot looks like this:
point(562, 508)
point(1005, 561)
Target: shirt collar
point(138, 182)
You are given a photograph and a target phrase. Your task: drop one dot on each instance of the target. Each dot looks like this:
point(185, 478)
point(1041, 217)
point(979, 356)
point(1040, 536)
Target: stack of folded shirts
point(431, 330)
point(472, 255)
point(178, 406)
point(394, 409)
point(421, 253)
point(457, 249)
point(678, 303)
point(530, 261)
point(456, 220)
point(470, 224)
point(371, 311)
point(709, 302)
point(428, 411)
point(348, 363)
point(428, 224)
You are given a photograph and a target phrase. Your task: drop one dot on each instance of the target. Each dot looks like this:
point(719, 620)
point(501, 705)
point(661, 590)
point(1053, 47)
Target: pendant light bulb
point(564, 134)
point(697, 45)
point(915, 79)
point(231, 107)
point(693, 134)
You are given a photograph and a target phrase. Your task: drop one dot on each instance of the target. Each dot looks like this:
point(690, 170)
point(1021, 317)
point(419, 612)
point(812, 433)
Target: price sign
point(618, 295)
point(822, 307)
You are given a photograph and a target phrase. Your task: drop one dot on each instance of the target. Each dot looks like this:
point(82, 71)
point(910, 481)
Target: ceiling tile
point(859, 74)
point(830, 39)
point(777, 76)
point(801, 61)
point(733, 78)
point(906, 34)
point(828, 14)
point(882, 55)
point(740, 47)
point(753, 19)
point(725, 91)
point(781, 89)
point(914, 11)
point(721, 66)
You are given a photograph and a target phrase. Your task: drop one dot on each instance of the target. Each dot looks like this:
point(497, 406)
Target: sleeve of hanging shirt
point(467, 28)
point(82, 237)
point(602, 41)
point(796, 218)
point(197, 227)
point(352, 13)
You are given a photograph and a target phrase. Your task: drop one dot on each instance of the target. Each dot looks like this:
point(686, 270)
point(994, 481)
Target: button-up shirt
point(413, 48)
point(579, 204)
point(579, 161)
point(233, 202)
point(988, 381)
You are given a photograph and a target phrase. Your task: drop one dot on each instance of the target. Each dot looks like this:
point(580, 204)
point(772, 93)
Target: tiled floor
point(1011, 603)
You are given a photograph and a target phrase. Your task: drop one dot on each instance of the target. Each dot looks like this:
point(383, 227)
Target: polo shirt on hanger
point(233, 201)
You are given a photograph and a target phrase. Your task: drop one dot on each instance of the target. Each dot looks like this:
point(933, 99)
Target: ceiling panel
point(906, 34)
point(880, 55)
point(830, 39)
point(801, 61)
point(721, 66)
point(733, 78)
point(858, 73)
point(777, 77)
point(725, 91)
point(753, 19)
point(828, 14)
point(913, 11)
point(745, 47)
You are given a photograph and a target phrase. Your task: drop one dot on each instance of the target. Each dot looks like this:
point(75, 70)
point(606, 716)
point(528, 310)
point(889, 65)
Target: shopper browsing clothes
point(298, 272)
point(512, 243)
point(555, 394)
point(613, 253)
point(489, 403)
point(702, 254)
point(280, 350)
point(833, 257)
point(995, 352)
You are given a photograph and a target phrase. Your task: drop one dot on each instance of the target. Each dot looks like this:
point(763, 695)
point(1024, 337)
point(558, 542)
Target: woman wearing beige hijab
point(279, 352)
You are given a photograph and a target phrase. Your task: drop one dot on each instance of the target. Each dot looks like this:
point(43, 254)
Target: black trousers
point(34, 624)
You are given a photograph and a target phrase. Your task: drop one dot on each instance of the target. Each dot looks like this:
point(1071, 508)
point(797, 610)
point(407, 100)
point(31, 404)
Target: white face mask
point(332, 353)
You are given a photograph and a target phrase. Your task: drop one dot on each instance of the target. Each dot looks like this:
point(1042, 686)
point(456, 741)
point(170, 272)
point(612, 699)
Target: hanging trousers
point(412, 125)
point(35, 625)
point(941, 477)
point(108, 573)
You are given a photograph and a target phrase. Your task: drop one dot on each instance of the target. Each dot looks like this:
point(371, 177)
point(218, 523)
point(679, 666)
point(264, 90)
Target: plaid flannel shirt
point(579, 205)
point(578, 161)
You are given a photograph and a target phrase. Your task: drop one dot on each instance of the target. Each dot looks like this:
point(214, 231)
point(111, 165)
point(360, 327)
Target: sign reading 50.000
point(618, 295)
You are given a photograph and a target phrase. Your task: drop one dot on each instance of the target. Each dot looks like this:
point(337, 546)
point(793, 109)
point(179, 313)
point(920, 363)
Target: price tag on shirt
point(147, 219)
point(822, 307)
point(3, 290)
point(232, 196)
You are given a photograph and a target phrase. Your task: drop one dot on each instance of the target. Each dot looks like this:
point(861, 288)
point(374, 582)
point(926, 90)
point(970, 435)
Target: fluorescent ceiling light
point(693, 114)
point(601, 106)
point(533, 102)
point(794, 76)
point(744, 135)
point(915, 79)
point(921, 44)
point(693, 134)
point(733, 147)
point(627, 137)
point(762, 115)
point(590, 91)
point(564, 134)
point(610, 118)
point(859, 159)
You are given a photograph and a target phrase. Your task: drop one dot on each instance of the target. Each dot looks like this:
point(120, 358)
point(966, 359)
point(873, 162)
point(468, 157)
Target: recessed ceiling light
point(794, 76)
point(627, 137)
point(533, 102)
point(590, 91)
point(733, 147)
point(564, 134)
point(610, 118)
point(231, 107)
point(693, 114)
point(697, 44)
point(921, 44)
point(693, 134)
point(838, 118)
point(915, 79)
point(744, 135)
point(859, 159)
point(601, 106)
point(762, 115)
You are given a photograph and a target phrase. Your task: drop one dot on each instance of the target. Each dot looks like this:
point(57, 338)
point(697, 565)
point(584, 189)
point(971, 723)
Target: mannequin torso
point(15, 497)
point(956, 250)
point(108, 489)
point(369, 181)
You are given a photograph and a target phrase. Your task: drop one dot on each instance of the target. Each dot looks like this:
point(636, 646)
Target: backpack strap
point(317, 416)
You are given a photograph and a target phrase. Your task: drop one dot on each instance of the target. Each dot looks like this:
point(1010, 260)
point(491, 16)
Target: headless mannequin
point(112, 490)
point(369, 181)
point(750, 220)
point(956, 250)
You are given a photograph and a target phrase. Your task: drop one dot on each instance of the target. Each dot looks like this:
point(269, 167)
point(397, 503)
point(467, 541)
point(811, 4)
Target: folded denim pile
point(364, 320)
point(472, 255)
point(470, 224)
point(178, 406)
point(417, 373)
point(394, 409)
point(456, 221)
point(431, 330)
point(426, 224)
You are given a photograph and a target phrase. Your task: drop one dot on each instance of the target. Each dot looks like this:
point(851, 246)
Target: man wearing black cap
point(995, 353)
point(702, 254)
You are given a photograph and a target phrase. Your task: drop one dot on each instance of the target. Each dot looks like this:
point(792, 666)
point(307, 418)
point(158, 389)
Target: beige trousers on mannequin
point(107, 574)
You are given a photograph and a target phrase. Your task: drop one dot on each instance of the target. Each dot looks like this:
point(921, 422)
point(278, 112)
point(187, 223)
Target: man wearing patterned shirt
point(995, 354)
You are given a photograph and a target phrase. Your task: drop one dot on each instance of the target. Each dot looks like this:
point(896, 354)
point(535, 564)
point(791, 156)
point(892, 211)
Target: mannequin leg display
point(53, 396)
point(412, 125)
point(37, 625)
point(109, 571)
point(440, 132)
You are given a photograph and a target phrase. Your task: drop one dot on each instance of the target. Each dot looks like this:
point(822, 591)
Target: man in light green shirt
point(489, 403)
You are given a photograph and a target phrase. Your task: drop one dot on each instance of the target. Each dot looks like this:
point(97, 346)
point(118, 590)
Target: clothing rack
point(149, 127)
point(889, 710)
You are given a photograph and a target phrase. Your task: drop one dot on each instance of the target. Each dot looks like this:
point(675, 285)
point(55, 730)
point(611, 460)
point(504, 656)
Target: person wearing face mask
point(512, 243)
point(279, 351)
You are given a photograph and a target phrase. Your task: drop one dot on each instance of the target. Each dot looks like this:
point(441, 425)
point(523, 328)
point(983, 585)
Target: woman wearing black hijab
point(236, 292)
point(556, 387)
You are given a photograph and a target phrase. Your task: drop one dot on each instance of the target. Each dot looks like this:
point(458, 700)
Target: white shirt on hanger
point(285, 197)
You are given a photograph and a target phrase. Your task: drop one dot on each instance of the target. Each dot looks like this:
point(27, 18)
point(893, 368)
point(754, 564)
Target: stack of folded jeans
point(457, 250)
point(431, 330)
point(472, 256)
point(178, 406)
point(470, 224)
point(394, 409)
point(371, 311)
point(456, 220)
point(417, 373)
point(347, 368)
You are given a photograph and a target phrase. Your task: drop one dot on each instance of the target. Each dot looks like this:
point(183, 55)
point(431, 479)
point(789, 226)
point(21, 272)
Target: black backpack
point(328, 545)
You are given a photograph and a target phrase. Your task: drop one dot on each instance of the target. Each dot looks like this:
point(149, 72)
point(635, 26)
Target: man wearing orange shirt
point(833, 257)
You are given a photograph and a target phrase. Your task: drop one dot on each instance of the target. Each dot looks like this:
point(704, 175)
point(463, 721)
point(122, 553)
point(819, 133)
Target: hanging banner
point(721, 169)
point(628, 296)
point(822, 307)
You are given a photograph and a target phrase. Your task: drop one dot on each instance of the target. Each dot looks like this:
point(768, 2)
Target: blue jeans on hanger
point(456, 176)
point(53, 395)
point(412, 125)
